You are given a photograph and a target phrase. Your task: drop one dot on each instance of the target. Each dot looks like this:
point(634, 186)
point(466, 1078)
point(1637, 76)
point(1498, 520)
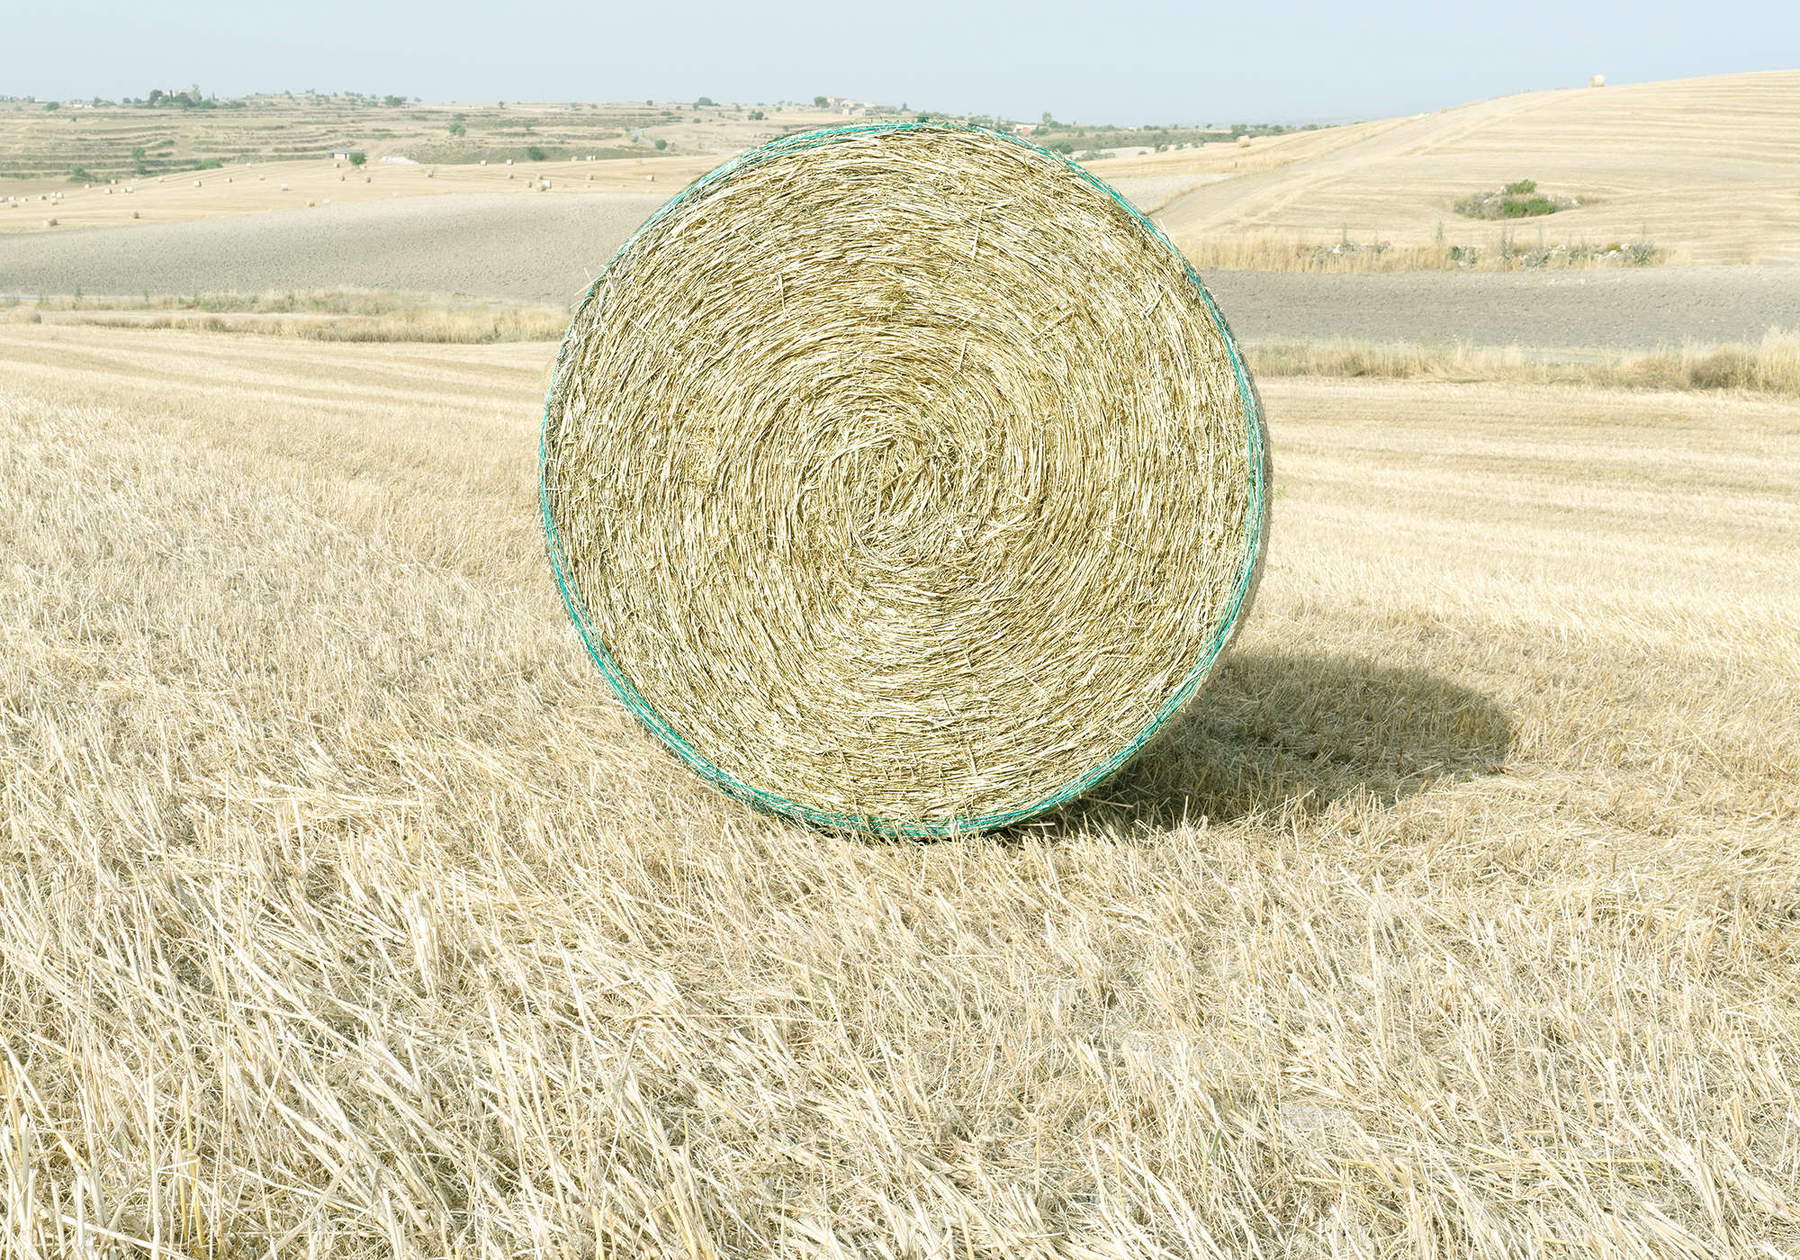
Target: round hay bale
point(902, 478)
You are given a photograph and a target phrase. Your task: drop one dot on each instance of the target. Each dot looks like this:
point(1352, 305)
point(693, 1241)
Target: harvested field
point(1703, 167)
point(538, 248)
point(320, 187)
point(342, 911)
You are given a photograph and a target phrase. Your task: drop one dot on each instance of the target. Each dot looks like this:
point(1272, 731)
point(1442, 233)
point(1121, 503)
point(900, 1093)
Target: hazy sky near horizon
point(1131, 62)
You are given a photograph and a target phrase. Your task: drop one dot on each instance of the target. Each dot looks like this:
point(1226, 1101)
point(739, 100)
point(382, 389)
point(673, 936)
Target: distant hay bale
point(903, 478)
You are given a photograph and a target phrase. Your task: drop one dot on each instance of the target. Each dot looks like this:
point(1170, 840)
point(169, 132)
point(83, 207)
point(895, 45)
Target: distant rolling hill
point(1708, 169)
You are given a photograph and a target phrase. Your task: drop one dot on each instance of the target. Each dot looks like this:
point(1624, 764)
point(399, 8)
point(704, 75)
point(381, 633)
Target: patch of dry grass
point(342, 914)
point(1770, 366)
point(316, 315)
point(1498, 251)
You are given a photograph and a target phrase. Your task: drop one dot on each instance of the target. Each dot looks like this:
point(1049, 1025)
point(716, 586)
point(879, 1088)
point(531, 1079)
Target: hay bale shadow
point(1275, 733)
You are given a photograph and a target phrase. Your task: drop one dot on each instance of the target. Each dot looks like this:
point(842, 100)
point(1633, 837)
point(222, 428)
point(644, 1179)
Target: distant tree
point(704, 100)
point(756, 115)
point(358, 157)
point(819, 101)
point(662, 144)
point(457, 129)
point(535, 153)
point(53, 105)
point(392, 101)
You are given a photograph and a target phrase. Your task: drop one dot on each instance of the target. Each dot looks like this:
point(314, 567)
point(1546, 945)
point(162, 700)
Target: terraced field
point(117, 141)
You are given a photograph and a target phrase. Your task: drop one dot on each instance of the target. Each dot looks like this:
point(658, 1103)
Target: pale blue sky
point(1127, 63)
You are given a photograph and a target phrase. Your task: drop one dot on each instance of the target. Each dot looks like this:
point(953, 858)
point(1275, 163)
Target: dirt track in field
point(549, 248)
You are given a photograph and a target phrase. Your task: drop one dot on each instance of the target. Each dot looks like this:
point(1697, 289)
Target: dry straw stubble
point(902, 478)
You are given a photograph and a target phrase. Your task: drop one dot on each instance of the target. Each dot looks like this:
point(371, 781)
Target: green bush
point(535, 153)
point(662, 144)
point(1526, 207)
point(358, 158)
point(1518, 200)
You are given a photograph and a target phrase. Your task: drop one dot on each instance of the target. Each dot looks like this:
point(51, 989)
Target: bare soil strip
point(547, 249)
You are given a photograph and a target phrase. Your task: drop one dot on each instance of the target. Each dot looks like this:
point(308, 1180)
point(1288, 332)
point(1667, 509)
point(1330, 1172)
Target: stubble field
point(342, 913)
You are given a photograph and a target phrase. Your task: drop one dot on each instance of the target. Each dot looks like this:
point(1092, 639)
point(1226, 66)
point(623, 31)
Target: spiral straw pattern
point(903, 478)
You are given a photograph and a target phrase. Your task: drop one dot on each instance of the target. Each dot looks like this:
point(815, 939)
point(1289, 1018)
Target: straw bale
point(903, 478)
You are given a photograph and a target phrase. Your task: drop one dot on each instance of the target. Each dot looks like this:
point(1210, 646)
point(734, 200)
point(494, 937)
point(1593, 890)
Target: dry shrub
point(902, 478)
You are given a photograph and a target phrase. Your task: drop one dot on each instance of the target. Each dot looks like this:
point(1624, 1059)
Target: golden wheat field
point(343, 913)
